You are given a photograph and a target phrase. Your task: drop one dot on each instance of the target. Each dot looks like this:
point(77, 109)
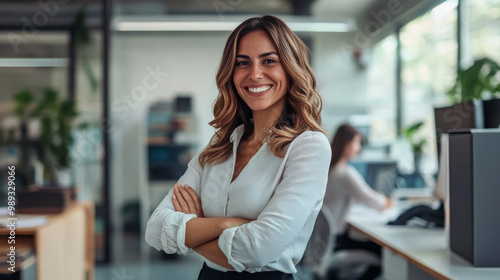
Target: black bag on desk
point(49, 200)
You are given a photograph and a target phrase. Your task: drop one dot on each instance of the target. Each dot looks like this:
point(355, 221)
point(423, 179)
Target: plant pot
point(417, 161)
point(491, 113)
point(57, 176)
point(64, 177)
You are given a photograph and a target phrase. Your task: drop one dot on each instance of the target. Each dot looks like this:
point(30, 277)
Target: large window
point(382, 91)
point(483, 24)
point(429, 63)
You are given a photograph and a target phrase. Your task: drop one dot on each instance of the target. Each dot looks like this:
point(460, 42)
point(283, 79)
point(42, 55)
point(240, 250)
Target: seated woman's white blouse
point(282, 195)
point(346, 186)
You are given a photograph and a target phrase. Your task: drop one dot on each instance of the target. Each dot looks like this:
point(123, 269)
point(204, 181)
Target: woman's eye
point(269, 61)
point(240, 63)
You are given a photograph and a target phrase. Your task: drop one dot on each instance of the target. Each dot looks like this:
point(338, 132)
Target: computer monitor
point(468, 114)
point(380, 175)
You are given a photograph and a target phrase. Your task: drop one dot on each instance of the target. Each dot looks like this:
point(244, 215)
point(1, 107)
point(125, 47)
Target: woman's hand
point(186, 200)
point(388, 203)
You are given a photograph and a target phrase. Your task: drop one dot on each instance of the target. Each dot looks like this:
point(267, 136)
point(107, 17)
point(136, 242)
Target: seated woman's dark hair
point(344, 134)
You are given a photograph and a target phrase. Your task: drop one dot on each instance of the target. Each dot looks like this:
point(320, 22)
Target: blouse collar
point(237, 133)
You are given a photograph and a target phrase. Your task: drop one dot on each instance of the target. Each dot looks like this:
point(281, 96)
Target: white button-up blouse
point(282, 195)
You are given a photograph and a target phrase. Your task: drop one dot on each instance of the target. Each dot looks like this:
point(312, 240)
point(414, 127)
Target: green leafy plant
point(416, 145)
point(56, 118)
point(476, 81)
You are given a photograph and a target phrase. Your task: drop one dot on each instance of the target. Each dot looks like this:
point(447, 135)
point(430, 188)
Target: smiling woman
point(259, 76)
point(249, 200)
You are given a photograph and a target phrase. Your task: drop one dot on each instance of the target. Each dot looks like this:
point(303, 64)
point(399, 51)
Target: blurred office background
point(145, 72)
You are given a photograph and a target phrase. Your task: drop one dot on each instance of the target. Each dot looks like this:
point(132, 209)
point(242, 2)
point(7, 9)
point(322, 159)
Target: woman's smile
point(257, 90)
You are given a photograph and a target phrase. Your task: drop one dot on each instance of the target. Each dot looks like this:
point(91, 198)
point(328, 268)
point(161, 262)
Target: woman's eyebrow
point(261, 55)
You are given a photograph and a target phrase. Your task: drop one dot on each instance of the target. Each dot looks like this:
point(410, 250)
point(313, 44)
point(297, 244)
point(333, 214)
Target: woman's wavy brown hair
point(303, 102)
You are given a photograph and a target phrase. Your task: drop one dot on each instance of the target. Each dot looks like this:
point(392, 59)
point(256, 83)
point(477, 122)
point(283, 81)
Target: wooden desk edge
point(51, 218)
point(422, 266)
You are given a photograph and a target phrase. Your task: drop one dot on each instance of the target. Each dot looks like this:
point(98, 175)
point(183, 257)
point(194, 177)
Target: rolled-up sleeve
point(296, 200)
point(166, 228)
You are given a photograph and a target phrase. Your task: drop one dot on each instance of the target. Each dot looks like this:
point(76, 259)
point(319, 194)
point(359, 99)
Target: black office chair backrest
point(320, 245)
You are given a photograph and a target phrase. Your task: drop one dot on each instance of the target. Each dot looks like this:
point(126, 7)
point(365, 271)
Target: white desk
point(413, 252)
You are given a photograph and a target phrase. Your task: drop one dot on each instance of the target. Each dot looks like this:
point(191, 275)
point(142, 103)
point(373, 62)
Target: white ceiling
point(321, 8)
point(341, 8)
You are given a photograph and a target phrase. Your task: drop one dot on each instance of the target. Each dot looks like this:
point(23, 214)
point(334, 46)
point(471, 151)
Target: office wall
point(150, 67)
point(341, 81)
point(190, 61)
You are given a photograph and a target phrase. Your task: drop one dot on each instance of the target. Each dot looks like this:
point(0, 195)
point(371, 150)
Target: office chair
point(325, 264)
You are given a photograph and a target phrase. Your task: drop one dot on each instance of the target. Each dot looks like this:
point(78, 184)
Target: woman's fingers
point(196, 200)
point(176, 204)
point(180, 199)
point(188, 199)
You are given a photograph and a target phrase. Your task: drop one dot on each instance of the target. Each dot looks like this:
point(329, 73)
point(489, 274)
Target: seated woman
point(346, 186)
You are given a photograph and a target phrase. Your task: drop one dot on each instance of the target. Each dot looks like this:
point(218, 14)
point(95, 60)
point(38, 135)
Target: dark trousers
point(208, 273)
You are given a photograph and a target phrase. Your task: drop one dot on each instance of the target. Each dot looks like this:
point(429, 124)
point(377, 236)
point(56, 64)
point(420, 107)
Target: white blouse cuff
point(173, 233)
point(226, 246)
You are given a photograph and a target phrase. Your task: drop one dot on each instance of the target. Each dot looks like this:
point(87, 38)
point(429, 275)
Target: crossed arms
point(202, 234)
point(179, 225)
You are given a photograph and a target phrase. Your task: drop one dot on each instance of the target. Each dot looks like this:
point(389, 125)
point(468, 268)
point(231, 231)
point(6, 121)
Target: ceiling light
point(33, 62)
point(182, 24)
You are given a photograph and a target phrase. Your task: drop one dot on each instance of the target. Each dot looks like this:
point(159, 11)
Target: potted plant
point(474, 99)
point(417, 145)
point(477, 82)
point(56, 118)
